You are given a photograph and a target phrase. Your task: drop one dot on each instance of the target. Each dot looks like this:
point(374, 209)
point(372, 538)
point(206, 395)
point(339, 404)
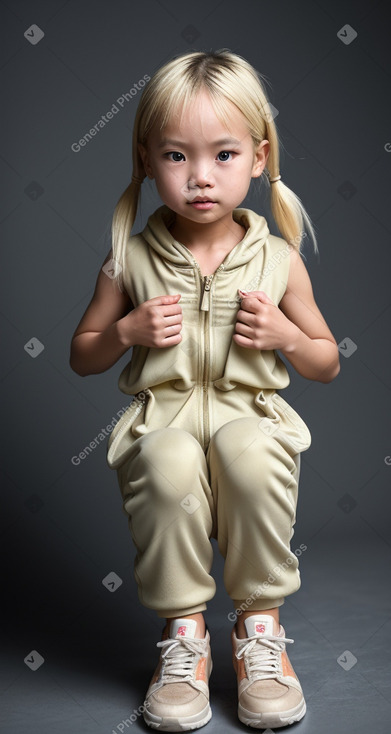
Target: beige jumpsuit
point(208, 448)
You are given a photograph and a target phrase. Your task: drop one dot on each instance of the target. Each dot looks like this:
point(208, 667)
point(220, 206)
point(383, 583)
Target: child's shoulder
point(279, 251)
point(136, 243)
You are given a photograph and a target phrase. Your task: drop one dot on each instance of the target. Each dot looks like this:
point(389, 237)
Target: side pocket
point(283, 422)
point(126, 430)
point(295, 431)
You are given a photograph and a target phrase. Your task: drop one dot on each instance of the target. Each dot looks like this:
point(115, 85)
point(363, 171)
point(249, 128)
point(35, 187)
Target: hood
point(157, 235)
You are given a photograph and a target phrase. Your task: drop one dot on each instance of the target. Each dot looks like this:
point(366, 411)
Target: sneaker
point(178, 695)
point(269, 691)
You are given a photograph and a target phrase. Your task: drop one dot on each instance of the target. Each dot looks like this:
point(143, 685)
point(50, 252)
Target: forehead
point(198, 121)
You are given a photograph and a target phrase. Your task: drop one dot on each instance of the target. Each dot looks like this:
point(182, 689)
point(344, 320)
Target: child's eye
point(226, 152)
point(181, 156)
point(174, 152)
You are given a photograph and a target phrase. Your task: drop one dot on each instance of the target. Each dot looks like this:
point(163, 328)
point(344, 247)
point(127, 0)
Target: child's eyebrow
point(182, 144)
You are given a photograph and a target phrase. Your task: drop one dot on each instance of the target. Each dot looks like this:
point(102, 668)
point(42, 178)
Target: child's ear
point(145, 159)
point(261, 155)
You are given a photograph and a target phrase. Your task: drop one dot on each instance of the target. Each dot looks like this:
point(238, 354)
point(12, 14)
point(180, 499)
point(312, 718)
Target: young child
point(208, 448)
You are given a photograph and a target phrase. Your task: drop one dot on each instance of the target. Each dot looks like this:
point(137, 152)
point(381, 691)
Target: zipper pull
point(205, 303)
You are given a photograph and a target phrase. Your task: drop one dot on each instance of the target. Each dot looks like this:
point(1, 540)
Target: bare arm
point(296, 326)
point(311, 349)
point(111, 325)
point(96, 344)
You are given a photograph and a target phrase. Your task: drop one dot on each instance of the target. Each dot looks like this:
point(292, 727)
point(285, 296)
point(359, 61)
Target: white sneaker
point(269, 692)
point(178, 695)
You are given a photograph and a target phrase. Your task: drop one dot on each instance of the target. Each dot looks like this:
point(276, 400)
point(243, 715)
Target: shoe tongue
point(183, 628)
point(259, 624)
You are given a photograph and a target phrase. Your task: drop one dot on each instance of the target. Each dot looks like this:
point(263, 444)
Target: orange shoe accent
point(287, 666)
point(201, 670)
point(238, 664)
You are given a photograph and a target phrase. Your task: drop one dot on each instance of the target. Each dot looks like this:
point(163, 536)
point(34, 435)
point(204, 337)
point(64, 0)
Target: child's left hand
point(260, 324)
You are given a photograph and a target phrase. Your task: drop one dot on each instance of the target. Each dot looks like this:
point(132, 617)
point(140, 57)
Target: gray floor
point(96, 670)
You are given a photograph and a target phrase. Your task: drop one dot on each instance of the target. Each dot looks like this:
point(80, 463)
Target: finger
point(245, 317)
point(242, 340)
point(166, 299)
point(243, 329)
point(262, 296)
point(250, 303)
point(171, 331)
point(254, 306)
point(249, 311)
point(171, 310)
point(170, 324)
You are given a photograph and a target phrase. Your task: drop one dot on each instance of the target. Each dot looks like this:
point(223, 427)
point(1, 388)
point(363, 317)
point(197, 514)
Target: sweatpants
point(242, 491)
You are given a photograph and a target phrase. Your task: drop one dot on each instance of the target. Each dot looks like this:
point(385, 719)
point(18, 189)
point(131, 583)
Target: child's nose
point(201, 176)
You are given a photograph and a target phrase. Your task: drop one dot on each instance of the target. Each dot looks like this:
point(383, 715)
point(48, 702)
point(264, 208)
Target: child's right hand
point(154, 323)
point(111, 325)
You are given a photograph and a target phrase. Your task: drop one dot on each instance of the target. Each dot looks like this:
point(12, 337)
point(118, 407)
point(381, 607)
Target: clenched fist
point(260, 324)
point(154, 323)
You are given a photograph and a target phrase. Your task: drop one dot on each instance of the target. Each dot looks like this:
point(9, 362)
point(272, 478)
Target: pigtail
point(290, 215)
point(125, 211)
point(288, 211)
point(123, 220)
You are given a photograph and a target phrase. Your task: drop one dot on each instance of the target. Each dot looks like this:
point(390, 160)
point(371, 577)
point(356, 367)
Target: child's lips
point(202, 204)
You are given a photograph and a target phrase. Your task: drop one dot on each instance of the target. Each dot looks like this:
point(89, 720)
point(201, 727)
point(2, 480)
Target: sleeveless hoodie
point(207, 364)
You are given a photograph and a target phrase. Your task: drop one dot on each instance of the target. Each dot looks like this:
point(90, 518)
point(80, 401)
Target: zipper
point(205, 351)
point(205, 303)
point(205, 307)
point(205, 283)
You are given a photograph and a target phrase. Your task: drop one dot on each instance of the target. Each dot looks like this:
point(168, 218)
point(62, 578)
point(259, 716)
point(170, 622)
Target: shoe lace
point(263, 655)
point(178, 655)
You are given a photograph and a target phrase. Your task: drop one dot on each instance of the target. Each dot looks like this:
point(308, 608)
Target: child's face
point(201, 162)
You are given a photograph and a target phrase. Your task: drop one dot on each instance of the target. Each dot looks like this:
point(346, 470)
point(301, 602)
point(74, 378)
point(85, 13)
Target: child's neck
point(224, 233)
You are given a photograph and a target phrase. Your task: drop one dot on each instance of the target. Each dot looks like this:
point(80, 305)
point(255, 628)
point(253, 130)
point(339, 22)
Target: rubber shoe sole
point(170, 723)
point(273, 720)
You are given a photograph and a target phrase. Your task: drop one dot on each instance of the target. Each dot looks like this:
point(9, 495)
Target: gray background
point(62, 526)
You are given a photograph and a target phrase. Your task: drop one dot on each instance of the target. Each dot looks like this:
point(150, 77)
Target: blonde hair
point(227, 77)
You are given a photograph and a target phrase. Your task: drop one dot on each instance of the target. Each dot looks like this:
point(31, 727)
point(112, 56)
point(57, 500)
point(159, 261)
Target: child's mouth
point(202, 204)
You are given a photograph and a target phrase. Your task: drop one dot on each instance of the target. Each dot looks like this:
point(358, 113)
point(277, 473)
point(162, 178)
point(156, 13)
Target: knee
point(242, 450)
point(172, 447)
point(240, 443)
point(163, 465)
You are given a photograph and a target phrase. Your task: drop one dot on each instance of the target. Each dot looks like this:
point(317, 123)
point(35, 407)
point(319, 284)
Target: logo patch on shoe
point(260, 628)
point(182, 630)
